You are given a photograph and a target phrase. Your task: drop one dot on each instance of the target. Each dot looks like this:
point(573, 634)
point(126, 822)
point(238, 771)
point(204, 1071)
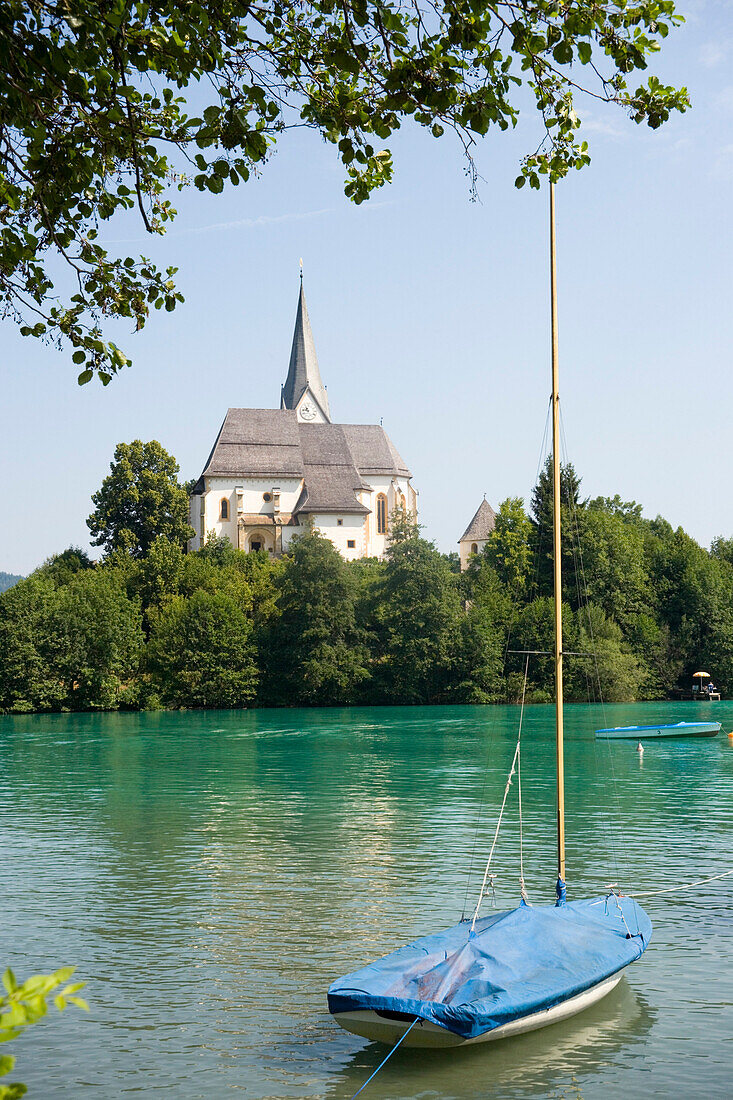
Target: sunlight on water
point(210, 874)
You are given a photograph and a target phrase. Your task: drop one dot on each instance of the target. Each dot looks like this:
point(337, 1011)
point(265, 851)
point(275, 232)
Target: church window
point(351, 543)
point(339, 523)
point(381, 514)
point(256, 544)
point(267, 497)
point(224, 508)
point(474, 548)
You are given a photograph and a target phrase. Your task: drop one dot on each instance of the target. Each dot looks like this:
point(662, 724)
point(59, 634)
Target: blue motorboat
point(679, 729)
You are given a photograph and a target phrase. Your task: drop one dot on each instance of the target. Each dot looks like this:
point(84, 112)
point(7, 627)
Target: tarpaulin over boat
point(513, 964)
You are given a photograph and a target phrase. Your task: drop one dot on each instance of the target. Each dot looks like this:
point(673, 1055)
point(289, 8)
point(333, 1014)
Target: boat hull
point(642, 733)
point(372, 1025)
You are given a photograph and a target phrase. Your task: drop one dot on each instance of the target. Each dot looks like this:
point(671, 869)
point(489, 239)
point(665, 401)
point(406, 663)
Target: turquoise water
point(211, 873)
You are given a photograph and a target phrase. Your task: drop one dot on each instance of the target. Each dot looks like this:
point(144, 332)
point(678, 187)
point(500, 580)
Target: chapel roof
point(303, 372)
point(481, 525)
point(334, 460)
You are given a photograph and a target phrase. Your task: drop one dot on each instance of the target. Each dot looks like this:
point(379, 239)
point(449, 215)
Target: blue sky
point(431, 312)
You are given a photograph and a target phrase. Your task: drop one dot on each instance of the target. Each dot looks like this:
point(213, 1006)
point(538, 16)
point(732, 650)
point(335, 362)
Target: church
point(275, 473)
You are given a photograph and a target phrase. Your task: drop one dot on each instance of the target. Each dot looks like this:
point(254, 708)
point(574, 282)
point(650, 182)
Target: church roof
point(303, 372)
point(332, 459)
point(481, 525)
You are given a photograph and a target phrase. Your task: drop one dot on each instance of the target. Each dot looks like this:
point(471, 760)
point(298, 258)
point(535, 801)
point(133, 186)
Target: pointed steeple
point(303, 390)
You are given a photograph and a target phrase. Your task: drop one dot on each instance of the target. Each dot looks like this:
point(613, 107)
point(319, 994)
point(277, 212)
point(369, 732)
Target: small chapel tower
point(303, 390)
point(476, 535)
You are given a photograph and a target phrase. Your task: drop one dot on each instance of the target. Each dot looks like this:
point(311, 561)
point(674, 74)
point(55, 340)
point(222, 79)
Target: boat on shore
point(679, 729)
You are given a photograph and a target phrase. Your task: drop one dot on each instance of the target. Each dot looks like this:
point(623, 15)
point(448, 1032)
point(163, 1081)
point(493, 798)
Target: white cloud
point(712, 53)
point(592, 124)
point(723, 101)
point(722, 166)
point(253, 223)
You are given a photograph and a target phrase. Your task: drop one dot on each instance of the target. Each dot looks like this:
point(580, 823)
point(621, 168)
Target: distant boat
point(680, 729)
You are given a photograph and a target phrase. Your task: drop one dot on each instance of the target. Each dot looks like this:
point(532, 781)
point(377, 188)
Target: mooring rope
point(674, 889)
point(394, 1048)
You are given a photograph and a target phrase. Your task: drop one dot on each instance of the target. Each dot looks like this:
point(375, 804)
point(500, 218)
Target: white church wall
point(397, 490)
point(252, 502)
point(343, 530)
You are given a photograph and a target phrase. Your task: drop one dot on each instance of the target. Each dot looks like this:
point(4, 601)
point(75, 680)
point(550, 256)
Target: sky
point(431, 313)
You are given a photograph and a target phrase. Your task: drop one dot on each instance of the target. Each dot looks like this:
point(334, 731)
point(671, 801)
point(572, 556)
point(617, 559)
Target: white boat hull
point(641, 733)
point(370, 1025)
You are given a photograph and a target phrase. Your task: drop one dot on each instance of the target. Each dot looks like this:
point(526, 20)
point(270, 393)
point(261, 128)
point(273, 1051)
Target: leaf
point(585, 52)
point(80, 1003)
point(9, 981)
point(85, 376)
point(78, 357)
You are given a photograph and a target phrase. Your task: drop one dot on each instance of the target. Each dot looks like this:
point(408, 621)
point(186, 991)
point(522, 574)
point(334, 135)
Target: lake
point(211, 873)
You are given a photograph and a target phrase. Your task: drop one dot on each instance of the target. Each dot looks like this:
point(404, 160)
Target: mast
point(557, 562)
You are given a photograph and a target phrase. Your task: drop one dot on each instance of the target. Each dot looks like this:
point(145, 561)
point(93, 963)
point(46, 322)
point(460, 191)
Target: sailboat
point(516, 970)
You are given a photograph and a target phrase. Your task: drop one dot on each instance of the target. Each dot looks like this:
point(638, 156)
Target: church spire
point(303, 390)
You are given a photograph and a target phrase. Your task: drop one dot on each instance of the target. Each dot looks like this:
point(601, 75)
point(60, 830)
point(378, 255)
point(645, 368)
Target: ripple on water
point(210, 874)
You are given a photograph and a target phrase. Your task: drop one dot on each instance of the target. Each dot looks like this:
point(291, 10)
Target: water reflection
point(211, 874)
point(527, 1066)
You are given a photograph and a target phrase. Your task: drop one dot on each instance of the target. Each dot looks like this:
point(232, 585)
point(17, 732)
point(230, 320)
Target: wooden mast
point(556, 544)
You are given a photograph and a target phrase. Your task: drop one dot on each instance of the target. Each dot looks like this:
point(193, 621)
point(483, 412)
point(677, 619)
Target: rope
point(673, 889)
point(499, 825)
point(515, 766)
point(394, 1048)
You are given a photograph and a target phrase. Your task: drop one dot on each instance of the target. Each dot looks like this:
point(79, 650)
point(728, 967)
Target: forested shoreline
point(152, 626)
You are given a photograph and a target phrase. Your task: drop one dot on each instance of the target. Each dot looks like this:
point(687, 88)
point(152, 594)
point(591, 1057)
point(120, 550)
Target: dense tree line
point(153, 626)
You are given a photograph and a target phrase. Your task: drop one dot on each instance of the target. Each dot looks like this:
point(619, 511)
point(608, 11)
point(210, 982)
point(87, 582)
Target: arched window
point(474, 548)
point(381, 514)
point(224, 508)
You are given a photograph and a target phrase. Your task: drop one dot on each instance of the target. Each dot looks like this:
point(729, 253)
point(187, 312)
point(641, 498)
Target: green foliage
point(26, 682)
point(23, 1005)
point(509, 547)
point(417, 624)
point(93, 640)
point(97, 120)
point(315, 652)
point(200, 652)
point(541, 513)
point(153, 625)
point(140, 501)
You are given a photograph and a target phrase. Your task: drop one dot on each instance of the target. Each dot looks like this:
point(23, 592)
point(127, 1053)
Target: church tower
point(303, 390)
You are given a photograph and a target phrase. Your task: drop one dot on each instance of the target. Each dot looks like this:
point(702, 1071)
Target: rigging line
point(512, 616)
point(394, 1048)
point(674, 889)
point(585, 603)
point(496, 835)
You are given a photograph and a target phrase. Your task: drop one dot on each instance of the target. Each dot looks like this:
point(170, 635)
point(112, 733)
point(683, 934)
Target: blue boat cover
point(514, 963)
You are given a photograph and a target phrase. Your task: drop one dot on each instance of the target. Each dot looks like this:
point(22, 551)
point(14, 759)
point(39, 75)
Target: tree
point(95, 122)
point(23, 1005)
point(200, 652)
point(140, 500)
point(509, 546)
point(26, 682)
point(541, 510)
point(417, 624)
point(315, 653)
point(93, 640)
point(62, 567)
